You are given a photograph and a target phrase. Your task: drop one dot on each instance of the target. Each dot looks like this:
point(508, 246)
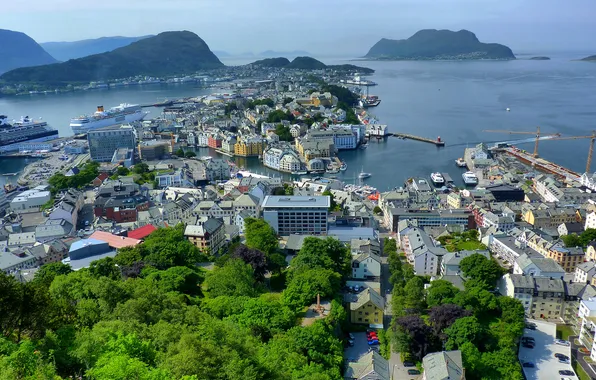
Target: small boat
point(507, 109)
point(364, 175)
point(300, 172)
point(470, 178)
point(343, 167)
point(9, 188)
point(437, 179)
point(363, 146)
point(460, 162)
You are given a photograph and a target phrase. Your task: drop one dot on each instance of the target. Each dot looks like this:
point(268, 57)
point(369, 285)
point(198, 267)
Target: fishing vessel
point(437, 179)
point(460, 162)
point(24, 130)
point(122, 114)
point(470, 178)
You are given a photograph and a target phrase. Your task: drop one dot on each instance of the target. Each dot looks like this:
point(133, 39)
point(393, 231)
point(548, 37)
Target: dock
point(438, 142)
point(447, 178)
point(542, 164)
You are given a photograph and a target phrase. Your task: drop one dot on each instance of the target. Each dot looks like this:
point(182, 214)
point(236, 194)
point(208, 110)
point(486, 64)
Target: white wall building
point(31, 200)
point(296, 214)
point(590, 220)
point(587, 316)
point(366, 265)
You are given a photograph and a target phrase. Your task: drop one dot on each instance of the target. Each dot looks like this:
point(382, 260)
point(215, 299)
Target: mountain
point(63, 51)
point(20, 50)
point(591, 58)
point(432, 44)
point(308, 63)
point(168, 53)
point(273, 54)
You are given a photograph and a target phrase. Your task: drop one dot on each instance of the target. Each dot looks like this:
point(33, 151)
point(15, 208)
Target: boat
point(470, 178)
point(460, 162)
point(300, 172)
point(363, 146)
point(369, 101)
point(122, 114)
point(437, 179)
point(9, 188)
point(357, 81)
point(364, 175)
point(25, 130)
point(343, 167)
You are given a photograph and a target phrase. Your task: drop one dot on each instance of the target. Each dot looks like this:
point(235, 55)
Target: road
point(579, 357)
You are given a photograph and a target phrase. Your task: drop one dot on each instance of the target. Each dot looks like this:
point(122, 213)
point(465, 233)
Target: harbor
point(438, 142)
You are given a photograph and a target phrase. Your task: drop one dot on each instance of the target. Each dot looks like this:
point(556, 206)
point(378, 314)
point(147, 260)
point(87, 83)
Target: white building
point(289, 163)
point(217, 170)
point(31, 200)
point(547, 188)
point(202, 139)
point(584, 272)
point(587, 316)
point(537, 266)
point(296, 214)
point(590, 220)
point(366, 265)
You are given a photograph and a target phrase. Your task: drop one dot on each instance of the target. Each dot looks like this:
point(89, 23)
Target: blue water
point(454, 100)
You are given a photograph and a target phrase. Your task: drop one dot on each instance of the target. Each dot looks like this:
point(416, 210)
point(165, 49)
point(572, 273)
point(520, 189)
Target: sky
point(332, 27)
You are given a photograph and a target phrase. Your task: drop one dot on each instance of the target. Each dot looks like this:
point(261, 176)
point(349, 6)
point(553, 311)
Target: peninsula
point(308, 63)
point(432, 44)
point(168, 53)
point(591, 58)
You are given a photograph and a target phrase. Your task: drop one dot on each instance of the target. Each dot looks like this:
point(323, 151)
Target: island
point(540, 59)
point(591, 58)
point(168, 53)
point(432, 44)
point(309, 63)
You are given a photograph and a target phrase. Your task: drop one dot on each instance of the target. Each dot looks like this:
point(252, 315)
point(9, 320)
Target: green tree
point(572, 240)
point(261, 236)
point(235, 278)
point(189, 154)
point(122, 171)
point(328, 253)
point(179, 152)
point(587, 237)
point(333, 206)
point(302, 290)
point(441, 292)
point(47, 272)
point(466, 329)
point(377, 210)
point(477, 267)
point(414, 294)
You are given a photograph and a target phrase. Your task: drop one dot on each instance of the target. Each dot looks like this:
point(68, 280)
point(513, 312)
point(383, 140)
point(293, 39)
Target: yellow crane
point(592, 138)
point(537, 133)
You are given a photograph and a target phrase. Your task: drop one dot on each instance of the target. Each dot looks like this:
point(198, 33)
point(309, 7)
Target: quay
point(543, 164)
point(437, 142)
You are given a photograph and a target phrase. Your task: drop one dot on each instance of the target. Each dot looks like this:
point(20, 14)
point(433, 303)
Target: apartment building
point(542, 297)
point(587, 319)
point(433, 218)
point(105, 141)
point(249, 146)
point(296, 214)
point(208, 235)
point(584, 272)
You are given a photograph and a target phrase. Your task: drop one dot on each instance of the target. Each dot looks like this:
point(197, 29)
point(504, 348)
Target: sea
point(457, 101)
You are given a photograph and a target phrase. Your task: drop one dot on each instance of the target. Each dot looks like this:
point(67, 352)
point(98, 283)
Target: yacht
point(364, 175)
point(437, 179)
point(460, 162)
point(470, 178)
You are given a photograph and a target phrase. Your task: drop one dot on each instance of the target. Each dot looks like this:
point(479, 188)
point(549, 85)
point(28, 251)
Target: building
point(12, 261)
point(124, 157)
point(590, 220)
point(296, 214)
point(119, 201)
point(587, 318)
point(208, 235)
point(105, 141)
point(154, 150)
point(217, 170)
point(570, 228)
point(547, 188)
point(434, 218)
point(289, 163)
point(4, 203)
point(542, 297)
point(141, 232)
point(31, 200)
point(370, 366)
point(421, 251)
point(444, 365)
point(53, 229)
point(451, 261)
point(342, 138)
point(568, 258)
point(366, 265)
point(368, 309)
point(249, 146)
point(537, 266)
point(310, 149)
point(584, 272)
point(68, 207)
point(115, 241)
point(506, 193)
point(214, 141)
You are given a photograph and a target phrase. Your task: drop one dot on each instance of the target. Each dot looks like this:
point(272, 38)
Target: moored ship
point(470, 178)
point(437, 179)
point(122, 114)
point(25, 130)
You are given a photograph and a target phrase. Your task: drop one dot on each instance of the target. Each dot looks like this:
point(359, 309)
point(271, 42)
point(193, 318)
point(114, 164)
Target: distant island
point(432, 44)
point(591, 58)
point(273, 54)
point(540, 59)
point(168, 53)
point(63, 51)
point(20, 50)
point(308, 63)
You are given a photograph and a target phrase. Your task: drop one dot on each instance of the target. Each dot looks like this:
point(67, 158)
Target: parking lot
point(360, 347)
point(547, 366)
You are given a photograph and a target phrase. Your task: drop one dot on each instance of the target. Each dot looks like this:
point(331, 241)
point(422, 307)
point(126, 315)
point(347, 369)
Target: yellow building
point(591, 253)
point(310, 149)
point(368, 309)
point(249, 147)
point(568, 258)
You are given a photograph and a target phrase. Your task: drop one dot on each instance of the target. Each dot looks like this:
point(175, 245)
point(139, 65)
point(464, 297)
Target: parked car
point(528, 345)
point(528, 365)
point(351, 343)
point(408, 364)
point(528, 339)
point(413, 372)
point(566, 372)
point(561, 356)
point(351, 336)
point(561, 342)
point(531, 325)
point(373, 342)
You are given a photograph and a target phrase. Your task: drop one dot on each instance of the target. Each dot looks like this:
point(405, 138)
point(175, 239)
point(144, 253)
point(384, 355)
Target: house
point(51, 252)
point(68, 207)
point(584, 272)
point(217, 170)
point(366, 265)
point(370, 366)
point(142, 232)
point(72, 171)
point(239, 220)
point(84, 251)
point(368, 308)
point(14, 260)
point(444, 365)
point(120, 201)
point(208, 235)
point(53, 229)
point(451, 261)
point(542, 297)
point(537, 266)
point(114, 241)
point(570, 228)
point(590, 220)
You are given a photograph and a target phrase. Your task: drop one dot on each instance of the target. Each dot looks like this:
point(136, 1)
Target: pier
point(542, 164)
point(438, 142)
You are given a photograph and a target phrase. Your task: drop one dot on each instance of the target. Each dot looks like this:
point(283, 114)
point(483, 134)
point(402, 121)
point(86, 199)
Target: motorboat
point(363, 146)
point(364, 175)
point(460, 162)
point(470, 178)
point(343, 167)
point(437, 179)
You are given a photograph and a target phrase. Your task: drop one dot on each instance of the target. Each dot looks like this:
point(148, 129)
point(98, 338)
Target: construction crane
point(592, 138)
point(537, 133)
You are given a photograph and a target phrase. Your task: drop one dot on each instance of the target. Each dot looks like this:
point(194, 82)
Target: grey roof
point(370, 366)
point(587, 266)
point(574, 289)
point(443, 365)
point(455, 279)
point(454, 258)
point(542, 263)
point(368, 295)
point(56, 227)
point(294, 242)
point(522, 281)
point(363, 256)
point(9, 259)
point(210, 226)
point(546, 284)
point(285, 201)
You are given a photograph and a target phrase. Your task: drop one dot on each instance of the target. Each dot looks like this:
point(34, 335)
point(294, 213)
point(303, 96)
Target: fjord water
point(454, 100)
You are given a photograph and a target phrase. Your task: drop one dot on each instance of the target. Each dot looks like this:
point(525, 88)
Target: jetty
point(438, 142)
point(542, 164)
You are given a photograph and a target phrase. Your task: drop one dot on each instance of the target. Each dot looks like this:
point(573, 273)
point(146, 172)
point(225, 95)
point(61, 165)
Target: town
point(456, 257)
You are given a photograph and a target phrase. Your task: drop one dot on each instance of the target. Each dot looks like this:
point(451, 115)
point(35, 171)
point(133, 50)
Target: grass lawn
point(471, 245)
point(564, 331)
point(579, 371)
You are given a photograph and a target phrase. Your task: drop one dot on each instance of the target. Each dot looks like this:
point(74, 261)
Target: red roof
point(141, 232)
point(114, 241)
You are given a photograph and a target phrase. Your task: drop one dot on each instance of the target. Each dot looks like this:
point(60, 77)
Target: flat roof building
point(104, 142)
point(303, 215)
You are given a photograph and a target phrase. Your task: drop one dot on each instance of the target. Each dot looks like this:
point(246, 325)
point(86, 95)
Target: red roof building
point(114, 241)
point(142, 232)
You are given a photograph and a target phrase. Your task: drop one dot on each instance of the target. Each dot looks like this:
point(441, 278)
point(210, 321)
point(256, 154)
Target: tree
point(179, 152)
point(254, 257)
point(587, 237)
point(478, 267)
point(189, 154)
point(440, 292)
point(465, 329)
point(261, 236)
point(141, 168)
point(47, 272)
point(332, 204)
point(326, 253)
point(572, 240)
point(283, 132)
point(443, 316)
point(303, 288)
point(235, 278)
point(420, 335)
point(179, 279)
point(122, 171)
point(377, 210)
point(414, 294)
point(396, 274)
point(105, 267)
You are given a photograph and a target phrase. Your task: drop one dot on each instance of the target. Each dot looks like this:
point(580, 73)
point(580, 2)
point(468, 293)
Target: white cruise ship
point(122, 114)
point(25, 130)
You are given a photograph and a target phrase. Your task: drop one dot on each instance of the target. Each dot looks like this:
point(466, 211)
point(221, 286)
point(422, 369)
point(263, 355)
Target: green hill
point(591, 58)
point(308, 63)
point(272, 62)
point(432, 44)
point(169, 53)
point(20, 50)
point(63, 51)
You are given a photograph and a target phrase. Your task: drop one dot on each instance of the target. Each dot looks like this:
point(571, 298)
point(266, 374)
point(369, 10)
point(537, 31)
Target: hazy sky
point(320, 27)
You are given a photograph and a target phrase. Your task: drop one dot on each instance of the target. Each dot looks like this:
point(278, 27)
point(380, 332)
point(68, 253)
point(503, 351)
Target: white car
point(562, 342)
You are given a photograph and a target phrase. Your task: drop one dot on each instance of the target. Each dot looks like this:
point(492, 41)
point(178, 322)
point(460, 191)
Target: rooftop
point(284, 201)
point(142, 232)
point(113, 240)
point(443, 365)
